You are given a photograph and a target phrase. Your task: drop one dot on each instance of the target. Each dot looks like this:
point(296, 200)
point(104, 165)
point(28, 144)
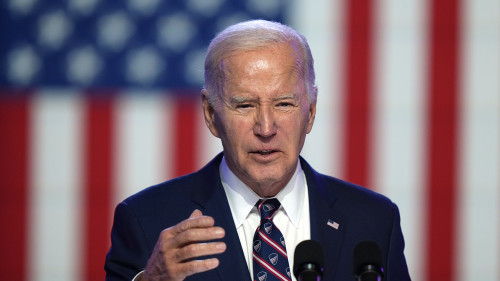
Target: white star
point(144, 65)
point(204, 7)
point(54, 28)
point(114, 30)
point(21, 7)
point(144, 7)
point(22, 65)
point(194, 62)
point(83, 65)
point(176, 31)
point(82, 7)
point(269, 8)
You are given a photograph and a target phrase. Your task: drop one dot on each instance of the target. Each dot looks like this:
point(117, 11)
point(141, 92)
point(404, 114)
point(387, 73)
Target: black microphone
point(368, 264)
point(308, 261)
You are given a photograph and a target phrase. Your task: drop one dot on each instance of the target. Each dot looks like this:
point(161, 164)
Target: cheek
point(294, 124)
point(233, 130)
point(301, 128)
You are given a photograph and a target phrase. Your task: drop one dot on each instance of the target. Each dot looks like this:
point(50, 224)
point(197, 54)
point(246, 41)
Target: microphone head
point(308, 258)
point(367, 258)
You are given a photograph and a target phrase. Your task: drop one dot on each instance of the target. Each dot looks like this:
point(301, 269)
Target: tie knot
point(267, 207)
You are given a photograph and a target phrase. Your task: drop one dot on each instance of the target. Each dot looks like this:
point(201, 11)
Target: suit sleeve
point(396, 268)
point(129, 250)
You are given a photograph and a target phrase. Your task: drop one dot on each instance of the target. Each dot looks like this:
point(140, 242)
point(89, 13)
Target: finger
point(194, 221)
point(193, 229)
point(197, 266)
point(196, 213)
point(197, 250)
point(195, 235)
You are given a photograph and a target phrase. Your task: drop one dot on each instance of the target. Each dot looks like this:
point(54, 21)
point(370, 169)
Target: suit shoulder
point(361, 205)
point(356, 191)
point(337, 189)
point(351, 196)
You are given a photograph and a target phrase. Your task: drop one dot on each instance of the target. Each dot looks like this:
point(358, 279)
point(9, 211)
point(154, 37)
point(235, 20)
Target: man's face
point(263, 117)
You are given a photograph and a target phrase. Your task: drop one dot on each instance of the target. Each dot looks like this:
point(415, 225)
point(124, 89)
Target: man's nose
point(265, 124)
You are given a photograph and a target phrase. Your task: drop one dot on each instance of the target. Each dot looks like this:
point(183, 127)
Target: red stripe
point(98, 184)
point(271, 215)
point(358, 100)
point(269, 268)
point(272, 243)
point(14, 172)
point(185, 133)
point(442, 139)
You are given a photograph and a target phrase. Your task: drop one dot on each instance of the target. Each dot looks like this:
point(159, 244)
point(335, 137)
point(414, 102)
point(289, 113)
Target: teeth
point(265, 151)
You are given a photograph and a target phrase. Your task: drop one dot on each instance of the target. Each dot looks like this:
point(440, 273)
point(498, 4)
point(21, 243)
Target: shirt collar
point(242, 199)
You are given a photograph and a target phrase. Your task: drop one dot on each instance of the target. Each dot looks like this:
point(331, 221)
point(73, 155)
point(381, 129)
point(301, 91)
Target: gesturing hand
point(178, 247)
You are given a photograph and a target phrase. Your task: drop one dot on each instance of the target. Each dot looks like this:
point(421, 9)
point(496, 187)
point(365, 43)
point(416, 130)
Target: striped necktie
point(270, 261)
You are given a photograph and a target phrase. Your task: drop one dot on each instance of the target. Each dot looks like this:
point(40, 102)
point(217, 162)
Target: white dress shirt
point(292, 218)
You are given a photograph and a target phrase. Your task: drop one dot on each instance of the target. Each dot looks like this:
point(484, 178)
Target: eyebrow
point(287, 96)
point(240, 99)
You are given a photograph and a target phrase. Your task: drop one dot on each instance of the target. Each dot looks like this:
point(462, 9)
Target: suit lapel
point(209, 194)
point(327, 224)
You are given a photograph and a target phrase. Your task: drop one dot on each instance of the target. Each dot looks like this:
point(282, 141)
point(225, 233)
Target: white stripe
point(272, 243)
point(399, 116)
point(479, 205)
point(56, 146)
point(142, 122)
point(321, 23)
point(270, 268)
point(208, 145)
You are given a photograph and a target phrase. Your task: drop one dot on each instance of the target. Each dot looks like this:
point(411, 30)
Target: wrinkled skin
point(262, 119)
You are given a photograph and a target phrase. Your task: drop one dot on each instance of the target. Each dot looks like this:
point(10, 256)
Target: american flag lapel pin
point(333, 224)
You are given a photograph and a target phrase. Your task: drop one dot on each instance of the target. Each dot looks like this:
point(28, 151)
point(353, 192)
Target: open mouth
point(265, 152)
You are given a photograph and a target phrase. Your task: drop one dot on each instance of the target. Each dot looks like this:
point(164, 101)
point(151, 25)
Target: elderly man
point(242, 215)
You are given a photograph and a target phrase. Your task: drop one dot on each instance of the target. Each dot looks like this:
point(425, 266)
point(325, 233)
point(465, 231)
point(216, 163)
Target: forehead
point(269, 57)
point(262, 69)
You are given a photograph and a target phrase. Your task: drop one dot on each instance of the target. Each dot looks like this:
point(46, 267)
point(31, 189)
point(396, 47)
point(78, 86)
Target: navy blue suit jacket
point(361, 214)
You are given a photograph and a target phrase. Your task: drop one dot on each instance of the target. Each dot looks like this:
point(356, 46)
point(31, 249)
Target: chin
point(267, 172)
point(267, 175)
point(268, 179)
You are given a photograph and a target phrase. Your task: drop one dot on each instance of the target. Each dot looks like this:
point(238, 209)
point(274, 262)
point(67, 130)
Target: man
point(260, 100)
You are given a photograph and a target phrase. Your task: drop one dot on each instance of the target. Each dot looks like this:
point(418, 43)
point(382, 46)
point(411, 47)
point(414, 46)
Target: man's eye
point(284, 104)
point(243, 106)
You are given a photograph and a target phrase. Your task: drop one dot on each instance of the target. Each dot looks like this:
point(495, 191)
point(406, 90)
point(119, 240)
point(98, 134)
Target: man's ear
point(312, 116)
point(209, 113)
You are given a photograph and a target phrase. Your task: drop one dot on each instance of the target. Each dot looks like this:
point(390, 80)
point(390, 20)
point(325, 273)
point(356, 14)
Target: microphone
point(308, 261)
point(368, 265)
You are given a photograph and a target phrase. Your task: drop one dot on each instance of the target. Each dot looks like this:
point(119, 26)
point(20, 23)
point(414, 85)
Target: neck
point(266, 191)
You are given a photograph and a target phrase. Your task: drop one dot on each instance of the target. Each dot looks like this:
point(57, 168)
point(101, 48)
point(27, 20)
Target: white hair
point(255, 35)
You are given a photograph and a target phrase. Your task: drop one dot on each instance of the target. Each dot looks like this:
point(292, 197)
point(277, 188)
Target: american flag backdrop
point(99, 99)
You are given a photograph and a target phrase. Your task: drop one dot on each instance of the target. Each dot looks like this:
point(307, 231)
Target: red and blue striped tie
point(270, 261)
